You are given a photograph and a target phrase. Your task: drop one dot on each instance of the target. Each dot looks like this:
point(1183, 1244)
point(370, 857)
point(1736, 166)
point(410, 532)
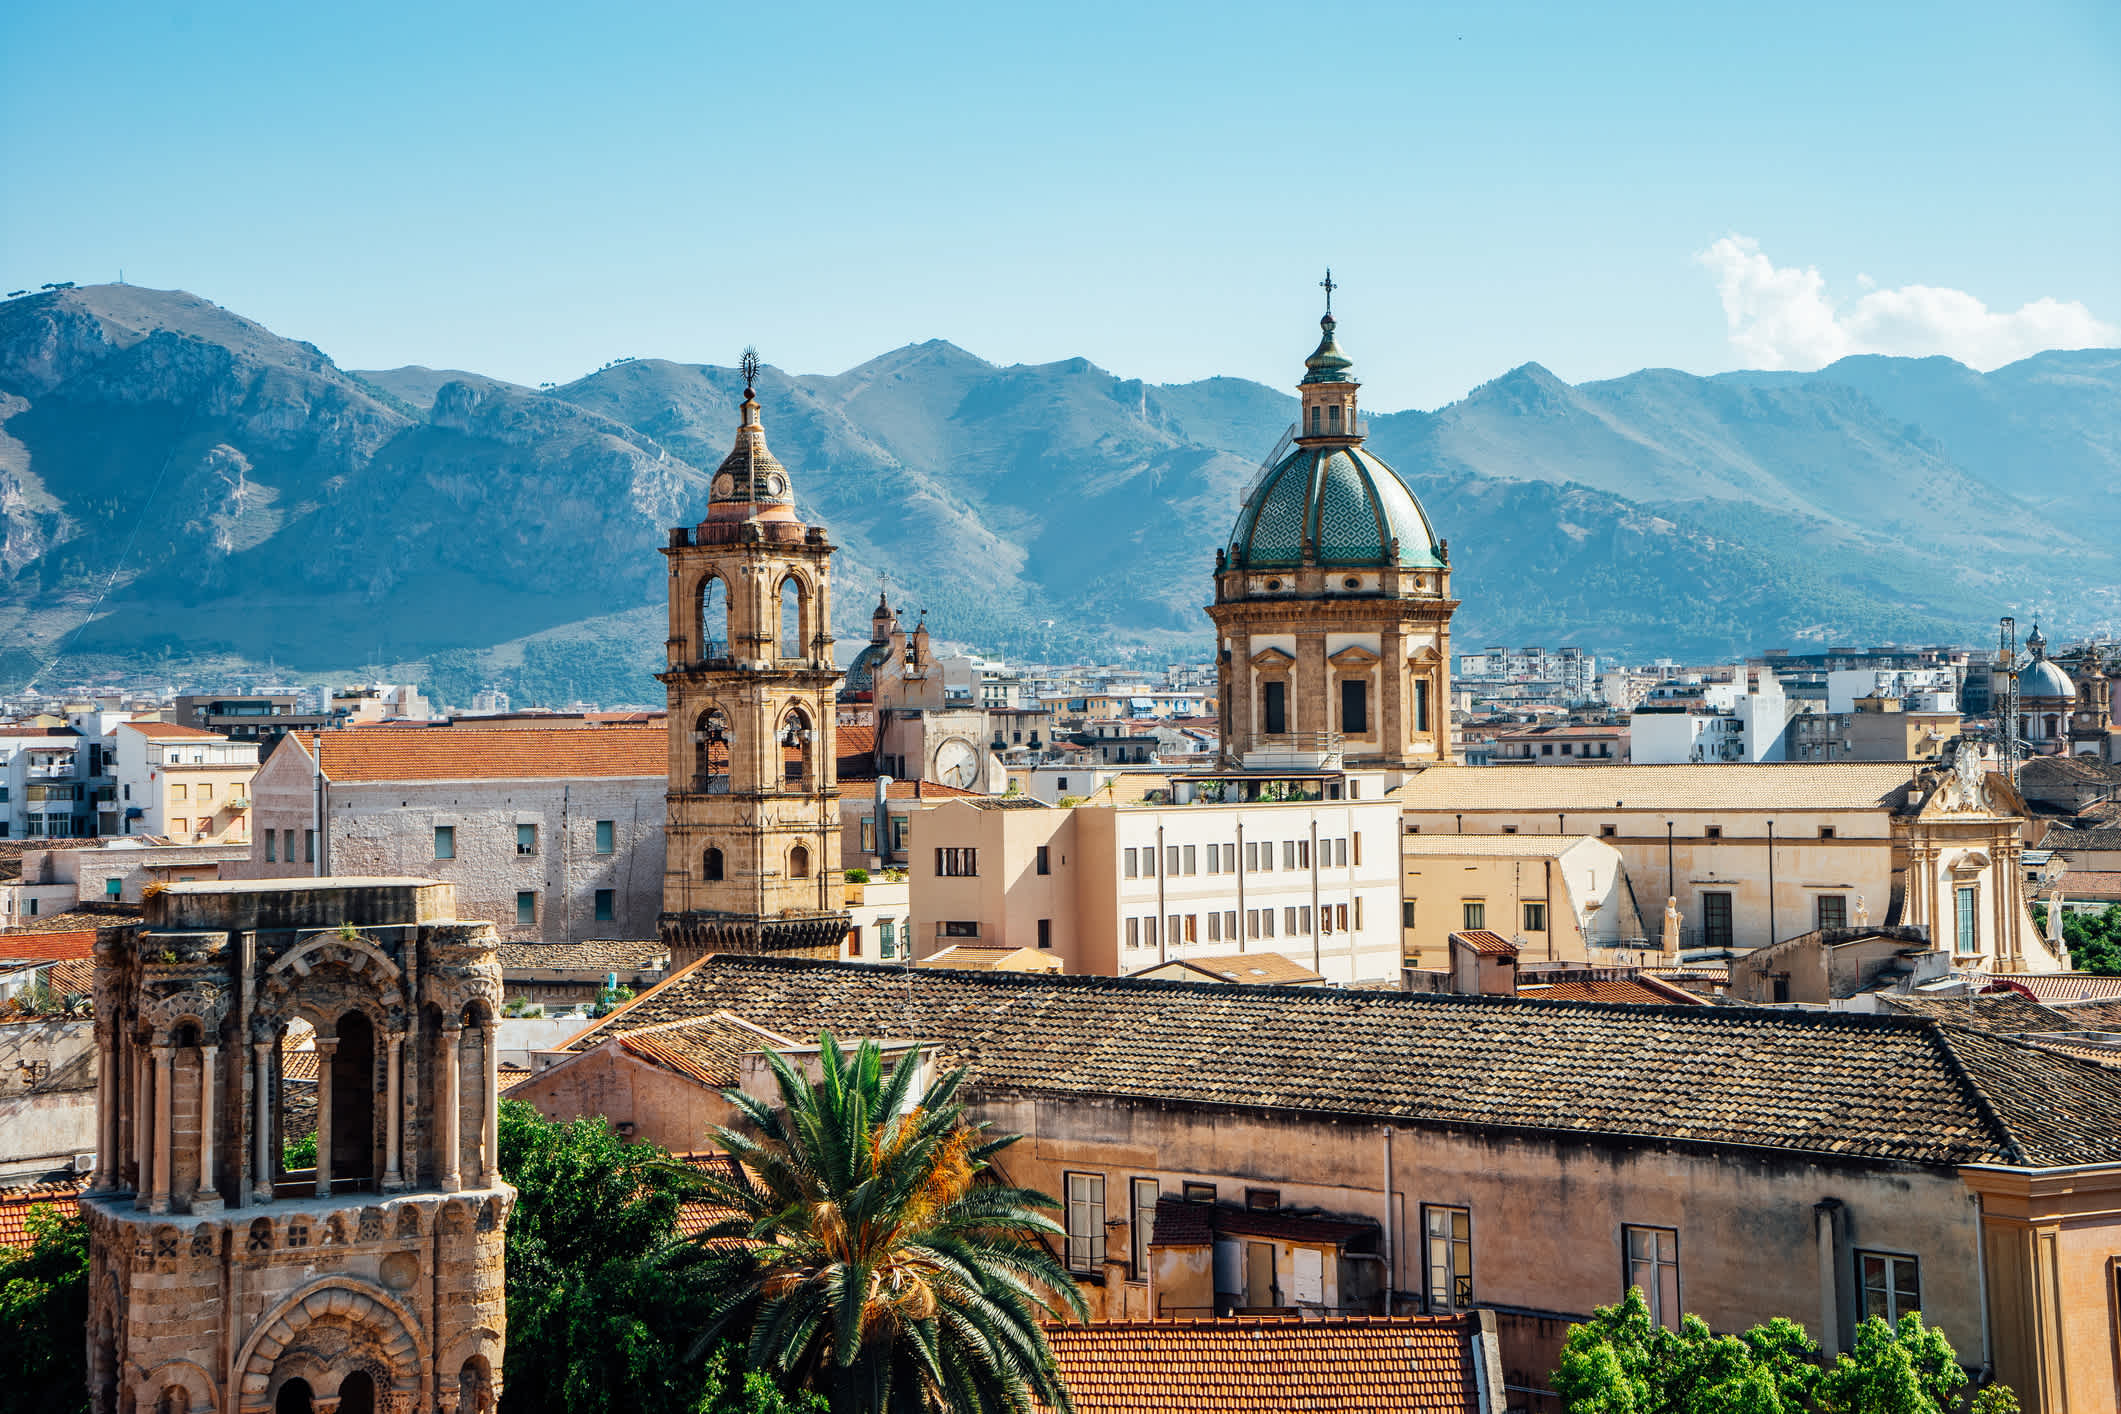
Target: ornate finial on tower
point(750, 364)
point(1329, 287)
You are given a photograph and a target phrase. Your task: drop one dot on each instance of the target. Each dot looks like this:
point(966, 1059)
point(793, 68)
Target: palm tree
point(865, 1261)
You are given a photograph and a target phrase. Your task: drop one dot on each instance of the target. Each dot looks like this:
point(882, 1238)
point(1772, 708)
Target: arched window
point(714, 618)
point(798, 749)
point(710, 753)
point(791, 618)
point(294, 1398)
point(353, 1102)
point(799, 863)
point(357, 1393)
point(1314, 419)
point(711, 865)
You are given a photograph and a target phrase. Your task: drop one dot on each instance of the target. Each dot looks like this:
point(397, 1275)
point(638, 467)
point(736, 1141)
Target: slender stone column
point(208, 1198)
point(107, 1161)
point(490, 1136)
point(327, 1046)
point(143, 1125)
point(261, 1110)
point(452, 1105)
point(394, 1118)
point(159, 1203)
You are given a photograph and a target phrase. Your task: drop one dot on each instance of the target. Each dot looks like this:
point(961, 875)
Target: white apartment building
point(1680, 724)
point(189, 785)
point(1116, 888)
point(1922, 689)
point(42, 795)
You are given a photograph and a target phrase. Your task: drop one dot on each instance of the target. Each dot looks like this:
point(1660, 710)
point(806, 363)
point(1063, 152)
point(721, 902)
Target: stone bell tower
point(222, 1279)
point(753, 826)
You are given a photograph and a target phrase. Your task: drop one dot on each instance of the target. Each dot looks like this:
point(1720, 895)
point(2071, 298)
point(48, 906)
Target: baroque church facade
point(752, 830)
point(1333, 600)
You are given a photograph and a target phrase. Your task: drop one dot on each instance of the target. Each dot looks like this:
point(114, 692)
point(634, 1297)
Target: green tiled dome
point(1340, 502)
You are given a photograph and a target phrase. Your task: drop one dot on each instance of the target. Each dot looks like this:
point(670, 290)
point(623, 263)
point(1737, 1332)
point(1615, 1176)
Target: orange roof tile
point(63, 1197)
point(170, 731)
point(1253, 1365)
point(31, 945)
point(856, 748)
point(1488, 944)
point(462, 754)
point(1640, 991)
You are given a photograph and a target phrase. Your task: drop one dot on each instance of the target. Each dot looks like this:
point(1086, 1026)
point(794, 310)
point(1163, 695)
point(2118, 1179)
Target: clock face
point(957, 764)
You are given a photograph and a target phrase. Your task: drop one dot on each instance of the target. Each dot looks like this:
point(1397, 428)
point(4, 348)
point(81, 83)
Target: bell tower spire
point(1328, 387)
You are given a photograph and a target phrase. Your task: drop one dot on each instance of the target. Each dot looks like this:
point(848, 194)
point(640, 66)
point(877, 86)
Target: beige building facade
point(190, 785)
point(1558, 898)
point(753, 812)
point(219, 1278)
point(1117, 888)
point(1756, 853)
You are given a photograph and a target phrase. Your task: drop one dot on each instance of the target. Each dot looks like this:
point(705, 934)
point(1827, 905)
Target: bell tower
point(753, 825)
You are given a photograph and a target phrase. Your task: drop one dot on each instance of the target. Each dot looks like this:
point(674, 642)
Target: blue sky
point(531, 190)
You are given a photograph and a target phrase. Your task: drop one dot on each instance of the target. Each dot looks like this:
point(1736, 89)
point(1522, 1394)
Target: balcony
point(1295, 751)
point(51, 770)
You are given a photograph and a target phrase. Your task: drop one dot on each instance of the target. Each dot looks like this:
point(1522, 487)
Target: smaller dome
point(2041, 678)
point(1327, 364)
point(861, 673)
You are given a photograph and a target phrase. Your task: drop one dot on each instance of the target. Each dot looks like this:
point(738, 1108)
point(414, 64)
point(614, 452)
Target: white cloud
point(1782, 317)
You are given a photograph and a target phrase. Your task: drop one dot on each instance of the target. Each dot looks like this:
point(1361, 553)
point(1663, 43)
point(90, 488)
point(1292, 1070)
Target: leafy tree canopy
point(43, 1316)
point(2093, 939)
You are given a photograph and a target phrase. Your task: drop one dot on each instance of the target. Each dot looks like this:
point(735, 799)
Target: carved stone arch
point(197, 1385)
point(450, 995)
point(202, 1003)
point(409, 1221)
point(392, 1330)
point(321, 948)
point(479, 1348)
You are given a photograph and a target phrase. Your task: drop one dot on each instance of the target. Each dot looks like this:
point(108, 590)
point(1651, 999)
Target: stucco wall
point(47, 1094)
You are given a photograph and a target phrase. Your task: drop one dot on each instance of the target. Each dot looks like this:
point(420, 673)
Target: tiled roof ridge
point(1987, 1109)
point(1850, 1020)
point(1409, 1319)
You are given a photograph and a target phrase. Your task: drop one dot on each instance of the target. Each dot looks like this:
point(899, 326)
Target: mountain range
point(183, 488)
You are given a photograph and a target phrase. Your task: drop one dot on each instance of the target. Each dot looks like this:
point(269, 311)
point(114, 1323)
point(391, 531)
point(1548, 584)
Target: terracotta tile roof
point(76, 976)
point(298, 1067)
point(465, 754)
point(1270, 1365)
point(705, 1050)
point(511, 1076)
point(37, 945)
point(856, 748)
point(63, 1197)
point(624, 956)
point(1830, 1083)
point(1644, 991)
point(2097, 1052)
point(2072, 841)
point(1799, 785)
point(697, 1214)
point(170, 731)
point(2085, 883)
point(2056, 988)
point(1253, 969)
point(1488, 943)
point(970, 955)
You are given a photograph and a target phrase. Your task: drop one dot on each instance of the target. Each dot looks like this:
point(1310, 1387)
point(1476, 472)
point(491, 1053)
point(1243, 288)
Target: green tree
point(1905, 1369)
point(43, 1314)
point(603, 1296)
point(867, 1263)
point(2093, 939)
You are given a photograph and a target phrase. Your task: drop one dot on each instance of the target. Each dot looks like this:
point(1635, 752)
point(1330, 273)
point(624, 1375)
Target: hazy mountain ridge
point(278, 506)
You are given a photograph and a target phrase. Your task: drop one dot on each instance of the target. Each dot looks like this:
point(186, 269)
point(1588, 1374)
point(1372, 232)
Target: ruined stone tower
point(753, 829)
point(220, 1278)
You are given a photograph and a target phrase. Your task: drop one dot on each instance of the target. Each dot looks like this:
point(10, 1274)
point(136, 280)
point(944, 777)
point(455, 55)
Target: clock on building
point(957, 764)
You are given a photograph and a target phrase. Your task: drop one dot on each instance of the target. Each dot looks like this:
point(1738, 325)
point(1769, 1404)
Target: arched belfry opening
point(353, 1104)
point(713, 633)
point(753, 767)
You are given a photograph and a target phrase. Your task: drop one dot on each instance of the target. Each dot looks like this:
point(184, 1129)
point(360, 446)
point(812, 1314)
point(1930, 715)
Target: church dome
point(1333, 505)
point(2041, 678)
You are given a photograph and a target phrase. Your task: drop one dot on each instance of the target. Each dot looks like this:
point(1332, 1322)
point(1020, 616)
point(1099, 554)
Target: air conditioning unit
point(84, 1163)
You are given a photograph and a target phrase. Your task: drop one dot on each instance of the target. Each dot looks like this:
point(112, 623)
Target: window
point(206, 790)
point(1134, 932)
point(1230, 924)
point(791, 618)
point(526, 839)
point(1288, 920)
point(1215, 927)
point(1266, 921)
point(179, 826)
point(886, 937)
point(603, 905)
point(112, 887)
point(1833, 911)
point(1045, 862)
point(1546, 748)
point(445, 841)
point(1712, 832)
point(799, 863)
point(180, 791)
point(1826, 832)
point(1145, 1193)
point(1251, 922)
point(1421, 706)
point(1406, 913)
point(1288, 854)
point(898, 833)
point(287, 846)
point(1716, 920)
point(1274, 708)
point(1354, 707)
point(711, 865)
point(1303, 854)
point(1535, 917)
point(1193, 927)
point(1086, 1222)
point(1969, 929)
point(1325, 919)
point(1045, 932)
point(1197, 1192)
point(1149, 861)
point(1215, 859)
point(1252, 858)
point(1192, 861)
point(1476, 913)
point(1892, 1285)
point(1061, 784)
point(1653, 1265)
point(526, 908)
point(1358, 848)
point(606, 832)
point(1608, 831)
point(1229, 859)
point(1447, 1235)
point(1171, 934)
point(269, 851)
point(1262, 1200)
point(961, 928)
point(309, 846)
point(957, 863)
point(1129, 865)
